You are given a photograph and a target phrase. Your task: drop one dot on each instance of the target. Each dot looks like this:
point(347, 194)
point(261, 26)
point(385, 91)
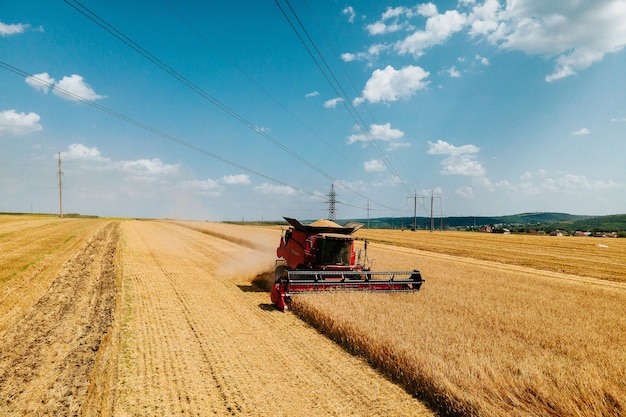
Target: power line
point(181, 78)
point(252, 80)
point(155, 131)
point(147, 127)
point(347, 74)
point(337, 87)
point(184, 80)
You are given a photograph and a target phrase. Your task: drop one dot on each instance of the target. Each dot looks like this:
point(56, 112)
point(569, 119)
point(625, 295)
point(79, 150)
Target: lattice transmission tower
point(331, 204)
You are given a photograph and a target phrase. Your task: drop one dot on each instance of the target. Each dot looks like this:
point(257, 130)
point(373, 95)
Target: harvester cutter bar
point(389, 281)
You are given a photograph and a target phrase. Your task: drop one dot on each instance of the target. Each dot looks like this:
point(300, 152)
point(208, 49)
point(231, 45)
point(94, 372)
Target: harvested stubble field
point(129, 318)
point(149, 318)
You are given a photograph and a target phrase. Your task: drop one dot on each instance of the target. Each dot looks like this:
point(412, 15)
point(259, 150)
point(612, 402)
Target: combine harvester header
point(321, 256)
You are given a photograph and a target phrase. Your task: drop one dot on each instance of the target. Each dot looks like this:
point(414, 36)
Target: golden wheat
point(488, 339)
point(602, 258)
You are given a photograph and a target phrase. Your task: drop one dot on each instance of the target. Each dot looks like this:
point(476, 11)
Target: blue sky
point(252, 110)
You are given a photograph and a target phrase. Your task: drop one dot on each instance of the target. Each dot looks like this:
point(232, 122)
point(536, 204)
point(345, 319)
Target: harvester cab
point(321, 256)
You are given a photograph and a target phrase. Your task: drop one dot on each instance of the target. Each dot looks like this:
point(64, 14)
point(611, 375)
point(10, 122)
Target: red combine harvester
point(321, 256)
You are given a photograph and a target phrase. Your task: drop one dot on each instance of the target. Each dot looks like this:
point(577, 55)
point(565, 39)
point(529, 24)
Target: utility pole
point(432, 219)
point(60, 174)
point(440, 215)
point(415, 212)
point(368, 213)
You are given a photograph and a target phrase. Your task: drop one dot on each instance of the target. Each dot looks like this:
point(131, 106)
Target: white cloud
point(453, 72)
point(618, 120)
point(484, 18)
point(397, 145)
point(460, 160)
point(390, 84)
point(13, 28)
point(78, 151)
point(239, 179)
point(484, 61)
point(147, 166)
point(71, 87)
point(351, 185)
point(465, 192)
point(312, 94)
point(349, 11)
point(138, 167)
point(349, 57)
point(527, 189)
point(372, 53)
point(462, 165)
point(442, 147)
point(395, 12)
point(271, 189)
point(576, 34)
point(42, 82)
point(583, 131)
point(374, 165)
point(380, 27)
point(376, 49)
point(77, 88)
point(385, 132)
point(214, 188)
point(208, 187)
point(484, 182)
point(439, 28)
point(331, 104)
point(427, 9)
point(557, 185)
point(571, 183)
point(382, 132)
point(14, 123)
point(262, 129)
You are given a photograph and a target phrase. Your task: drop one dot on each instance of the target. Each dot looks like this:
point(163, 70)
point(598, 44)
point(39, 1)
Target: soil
point(151, 318)
point(48, 355)
point(199, 339)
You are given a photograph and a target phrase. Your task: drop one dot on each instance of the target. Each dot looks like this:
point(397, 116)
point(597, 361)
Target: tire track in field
point(30, 261)
point(230, 400)
point(228, 395)
point(47, 356)
point(198, 341)
point(157, 334)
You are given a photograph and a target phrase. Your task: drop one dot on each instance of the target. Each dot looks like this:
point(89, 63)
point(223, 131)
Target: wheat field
point(152, 318)
point(603, 258)
point(102, 317)
point(492, 337)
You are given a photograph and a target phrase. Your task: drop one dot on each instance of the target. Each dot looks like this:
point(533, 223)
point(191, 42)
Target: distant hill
point(520, 223)
point(614, 223)
point(540, 220)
